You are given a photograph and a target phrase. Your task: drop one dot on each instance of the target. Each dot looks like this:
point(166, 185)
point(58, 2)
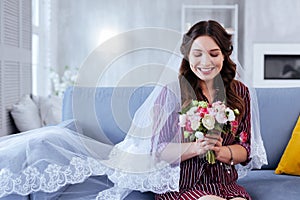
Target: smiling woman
point(151, 154)
point(206, 59)
point(207, 74)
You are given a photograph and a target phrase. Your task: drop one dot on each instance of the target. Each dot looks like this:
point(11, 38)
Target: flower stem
point(210, 157)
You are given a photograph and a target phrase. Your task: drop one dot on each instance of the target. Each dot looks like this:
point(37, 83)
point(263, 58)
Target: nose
point(205, 59)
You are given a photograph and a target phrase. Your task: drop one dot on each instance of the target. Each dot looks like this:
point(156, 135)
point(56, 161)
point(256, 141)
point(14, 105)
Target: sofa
point(92, 108)
point(279, 110)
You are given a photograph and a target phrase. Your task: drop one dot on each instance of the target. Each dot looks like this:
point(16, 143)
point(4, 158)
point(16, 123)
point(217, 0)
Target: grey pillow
point(26, 115)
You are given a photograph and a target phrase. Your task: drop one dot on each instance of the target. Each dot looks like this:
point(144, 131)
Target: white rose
point(195, 121)
point(208, 121)
point(195, 125)
point(182, 120)
point(191, 111)
point(199, 135)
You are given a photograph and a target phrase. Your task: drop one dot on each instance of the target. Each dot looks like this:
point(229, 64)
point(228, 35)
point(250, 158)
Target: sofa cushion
point(264, 184)
point(290, 160)
point(26, 114)
point(50, 109)
point(279, 109)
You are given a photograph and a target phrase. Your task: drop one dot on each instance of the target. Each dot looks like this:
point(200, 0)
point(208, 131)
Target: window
point(41, 44)
point(35, 43)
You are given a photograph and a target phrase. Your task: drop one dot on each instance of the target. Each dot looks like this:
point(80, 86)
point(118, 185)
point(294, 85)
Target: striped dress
point(199, 178)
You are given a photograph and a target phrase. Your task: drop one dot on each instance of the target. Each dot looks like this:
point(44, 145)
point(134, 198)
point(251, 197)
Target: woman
point(47, 162)
point(209, 71)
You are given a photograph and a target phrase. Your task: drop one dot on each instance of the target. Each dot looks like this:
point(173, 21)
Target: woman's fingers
point(215, 136)
point(209, 142)
point(219, 142)
point(200, 146)
point(216, 149)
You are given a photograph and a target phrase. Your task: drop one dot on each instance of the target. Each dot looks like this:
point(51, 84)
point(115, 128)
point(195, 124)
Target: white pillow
point(26, 114)
point(50, 110)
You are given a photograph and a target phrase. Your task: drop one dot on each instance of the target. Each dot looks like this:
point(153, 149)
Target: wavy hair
point(214, 30)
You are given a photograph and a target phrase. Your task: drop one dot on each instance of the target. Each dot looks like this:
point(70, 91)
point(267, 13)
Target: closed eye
point(197, 54)
point(214, 55)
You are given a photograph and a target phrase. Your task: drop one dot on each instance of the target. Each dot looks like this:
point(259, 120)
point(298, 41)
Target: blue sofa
point(92, 108)
point(279, 110)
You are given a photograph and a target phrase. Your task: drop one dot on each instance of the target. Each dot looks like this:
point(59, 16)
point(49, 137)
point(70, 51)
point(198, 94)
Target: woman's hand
point(207, 143)
point(221, 152)
point(214, 139)
point(200, 146)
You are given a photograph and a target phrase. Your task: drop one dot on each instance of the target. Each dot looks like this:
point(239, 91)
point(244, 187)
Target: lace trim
point(160, 181)
point(114, 193)
point(258, 159)
point(51, 179)
point(79, 169)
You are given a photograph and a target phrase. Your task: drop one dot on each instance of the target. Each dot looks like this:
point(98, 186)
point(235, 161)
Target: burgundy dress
point(199, 178)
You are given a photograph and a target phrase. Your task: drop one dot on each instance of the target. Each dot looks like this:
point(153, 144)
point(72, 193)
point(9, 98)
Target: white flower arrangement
point(60, 84)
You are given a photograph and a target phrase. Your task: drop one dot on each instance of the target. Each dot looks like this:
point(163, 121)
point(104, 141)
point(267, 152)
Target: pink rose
point(202, 111)
point(188, 126)
point(221, 117)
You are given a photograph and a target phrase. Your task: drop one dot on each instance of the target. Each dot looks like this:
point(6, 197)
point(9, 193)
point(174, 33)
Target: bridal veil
point(50, 158)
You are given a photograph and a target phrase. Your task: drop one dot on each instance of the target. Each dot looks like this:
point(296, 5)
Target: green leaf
point(185, 109)
point(186, 134)
point(192, 137)
point(236, 111)
point(203, 104)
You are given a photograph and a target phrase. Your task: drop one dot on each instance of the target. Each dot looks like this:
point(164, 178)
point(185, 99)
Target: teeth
point(205, 69)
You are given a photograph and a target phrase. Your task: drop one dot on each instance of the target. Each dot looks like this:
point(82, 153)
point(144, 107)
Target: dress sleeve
point(165, 121)
point(243, 136)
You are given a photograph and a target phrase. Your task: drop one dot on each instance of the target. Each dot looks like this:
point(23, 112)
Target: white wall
point(83, 24)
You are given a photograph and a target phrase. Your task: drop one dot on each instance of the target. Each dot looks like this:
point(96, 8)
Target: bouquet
point(200, 118)
point(60, 83)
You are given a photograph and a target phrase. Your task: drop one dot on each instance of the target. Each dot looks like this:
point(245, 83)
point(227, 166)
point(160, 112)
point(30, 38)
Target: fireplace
point(276, 65)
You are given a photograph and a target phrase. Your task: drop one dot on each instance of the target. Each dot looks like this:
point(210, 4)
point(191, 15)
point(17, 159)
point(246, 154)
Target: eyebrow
point(209, 50)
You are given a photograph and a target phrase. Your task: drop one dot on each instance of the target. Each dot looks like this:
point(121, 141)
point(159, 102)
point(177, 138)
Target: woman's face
point(206, 58)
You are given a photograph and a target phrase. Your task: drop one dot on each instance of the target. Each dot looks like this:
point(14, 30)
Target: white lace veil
point(49, 159)
point(258, 153)
point(136, 162)
point(46, 161)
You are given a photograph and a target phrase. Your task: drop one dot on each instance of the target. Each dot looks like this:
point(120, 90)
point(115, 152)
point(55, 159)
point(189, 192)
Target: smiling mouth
point(206, 69)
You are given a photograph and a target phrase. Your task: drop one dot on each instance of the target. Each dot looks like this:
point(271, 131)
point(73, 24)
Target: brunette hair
point(214, 30)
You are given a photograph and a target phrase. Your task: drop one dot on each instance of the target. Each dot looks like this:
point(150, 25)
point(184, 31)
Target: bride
point(45, 163)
